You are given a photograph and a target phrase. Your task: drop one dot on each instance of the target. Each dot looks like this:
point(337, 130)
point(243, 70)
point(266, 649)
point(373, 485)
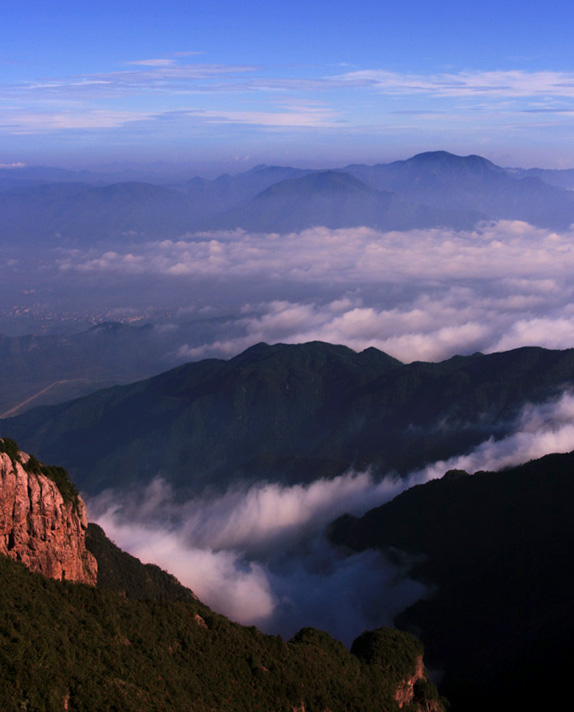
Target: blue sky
point(244, 82)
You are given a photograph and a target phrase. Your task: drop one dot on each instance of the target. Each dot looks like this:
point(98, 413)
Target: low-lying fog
point(260, 556)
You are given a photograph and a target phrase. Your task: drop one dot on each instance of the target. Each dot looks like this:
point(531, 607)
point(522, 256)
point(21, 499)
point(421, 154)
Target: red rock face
point(39, 528)
point(405, 694)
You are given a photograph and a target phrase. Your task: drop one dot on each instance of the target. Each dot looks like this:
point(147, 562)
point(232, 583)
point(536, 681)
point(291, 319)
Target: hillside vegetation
point(71, 646)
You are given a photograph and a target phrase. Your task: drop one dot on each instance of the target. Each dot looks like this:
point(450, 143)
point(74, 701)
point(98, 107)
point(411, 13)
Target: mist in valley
point(200, 208)
point(262, 554)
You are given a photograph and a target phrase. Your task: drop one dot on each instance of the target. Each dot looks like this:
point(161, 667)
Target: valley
point(228, 449)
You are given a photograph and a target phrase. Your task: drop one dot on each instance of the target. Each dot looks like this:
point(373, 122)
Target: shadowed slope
point(497, 548)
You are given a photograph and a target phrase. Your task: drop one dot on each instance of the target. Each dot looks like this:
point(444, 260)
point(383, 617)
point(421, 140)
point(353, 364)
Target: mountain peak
point(450, 160)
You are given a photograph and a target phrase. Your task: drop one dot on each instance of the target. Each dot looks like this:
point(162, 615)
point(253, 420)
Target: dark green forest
point(71, 646)
point(290, 414)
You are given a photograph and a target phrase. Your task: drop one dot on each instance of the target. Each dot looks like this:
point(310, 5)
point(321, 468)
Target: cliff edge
point(43, 519)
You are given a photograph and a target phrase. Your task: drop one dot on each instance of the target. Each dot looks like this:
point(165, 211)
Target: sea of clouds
point(417, 295)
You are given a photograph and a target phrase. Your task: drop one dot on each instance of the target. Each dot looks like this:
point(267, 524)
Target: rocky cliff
point(42, 518)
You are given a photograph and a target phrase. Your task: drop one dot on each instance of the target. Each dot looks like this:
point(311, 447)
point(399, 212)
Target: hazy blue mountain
point(496, 549)
point(444, 180)
point(213, 197)
point(34, 175)
point(63, 211)
point(236, 189)
point(158, 173)
point(60, 213)
point(28, 212)
point(290, 413)
point(335, 199)
point(561, 178)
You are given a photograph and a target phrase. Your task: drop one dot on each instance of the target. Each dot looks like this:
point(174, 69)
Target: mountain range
point(492, 548)
point(437, 189)
point(278, 436)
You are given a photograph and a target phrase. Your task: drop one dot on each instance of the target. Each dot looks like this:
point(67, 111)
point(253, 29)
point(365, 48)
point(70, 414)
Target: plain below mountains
point(290, 414)
point(41, 369)
point(437, 189)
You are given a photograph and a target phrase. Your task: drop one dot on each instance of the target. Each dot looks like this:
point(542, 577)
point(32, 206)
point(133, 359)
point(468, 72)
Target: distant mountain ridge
point(472, 183)
point(336, 199)
point(433, 189)
point(291, 414)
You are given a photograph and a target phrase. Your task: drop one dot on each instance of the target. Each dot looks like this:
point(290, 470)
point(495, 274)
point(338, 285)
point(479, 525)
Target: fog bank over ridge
point(259, 555)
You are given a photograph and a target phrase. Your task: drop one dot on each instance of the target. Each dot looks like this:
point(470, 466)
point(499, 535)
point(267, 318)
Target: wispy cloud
point(515, 83)
point(154, 62)
point(539, 430)
point(148, 76)
point(296, 116)
point(254, 95)
point(173, 73)
point(19, 122)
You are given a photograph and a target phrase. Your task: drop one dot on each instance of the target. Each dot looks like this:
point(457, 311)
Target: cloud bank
point(258, 554)
point(418, 295)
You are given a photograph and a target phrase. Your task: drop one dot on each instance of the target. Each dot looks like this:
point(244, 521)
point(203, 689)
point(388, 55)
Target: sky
point(232, 84)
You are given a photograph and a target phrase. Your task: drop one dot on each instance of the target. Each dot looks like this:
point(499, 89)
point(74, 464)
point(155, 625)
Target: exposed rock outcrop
point(400, 655)
point(408, 692)
point(39, 524)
